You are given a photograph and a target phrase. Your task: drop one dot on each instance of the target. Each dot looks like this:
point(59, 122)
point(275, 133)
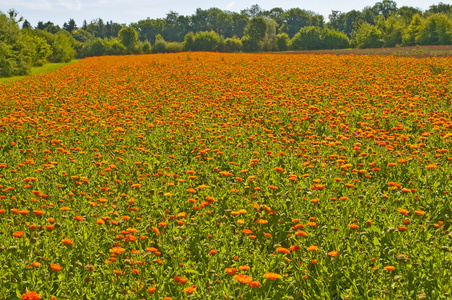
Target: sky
point(129, 11)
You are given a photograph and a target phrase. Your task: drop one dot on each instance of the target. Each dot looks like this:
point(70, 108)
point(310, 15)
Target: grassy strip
point(39, 70)
point(410, 51)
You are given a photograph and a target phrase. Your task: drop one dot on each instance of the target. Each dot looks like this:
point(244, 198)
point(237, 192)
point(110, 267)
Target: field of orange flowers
point(228, 176)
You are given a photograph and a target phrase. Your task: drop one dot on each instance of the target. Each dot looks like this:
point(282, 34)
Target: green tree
point(256, 29)
point(36, 48)
point(412, 32)
point(385, 8)
point(189, 40)
point(392, 30)
point(308, 38)
point(174, 47)
point(232, 45)
point(128, 36)
point(160, 45)
point(94, 47)
point(367, 36)
point(15, 58)
point(436, 30)
point(294, 19)
point(283, 42)
point(333, 39)
point(207, 41)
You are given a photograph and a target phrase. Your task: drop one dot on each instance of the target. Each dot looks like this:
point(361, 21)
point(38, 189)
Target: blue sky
point(128, 11)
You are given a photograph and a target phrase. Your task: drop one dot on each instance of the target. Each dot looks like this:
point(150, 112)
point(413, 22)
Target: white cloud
point(45, 5)
point(230, 5)
point(71, 5)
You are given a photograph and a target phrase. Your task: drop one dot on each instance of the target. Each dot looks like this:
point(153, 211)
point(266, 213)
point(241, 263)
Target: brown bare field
point(416, 51)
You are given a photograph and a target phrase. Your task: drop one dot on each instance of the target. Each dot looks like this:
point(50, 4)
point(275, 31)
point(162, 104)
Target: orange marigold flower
point(244, 268)
point(312, 248)
point(294, 248)
point(38, 212)
point(55, 267)
point(18, 234)
point(272, 276)
point(32, 295)
point(244, 279)
point(301, 233)
point(389, 268)
point(402, 228)
point(255, 284)
point(333, 253)
point(190, 289)
point(67, 242)
point(353, 226)
point(230, 271)
point(283, 250)
point(403, 211)
point(419, 212)
point(151, 290)
point(117, 250)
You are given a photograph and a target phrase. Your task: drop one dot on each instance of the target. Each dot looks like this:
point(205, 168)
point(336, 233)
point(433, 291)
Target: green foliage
point(367, 36)
point(37, 48)
point(144, 47)
point(160, 45)
point(308, 38)
point(62, 47)
point(189, 40)
point(294, 19)
point(128, 36)
point(15, 59)
point(113, 46)
point(409, 38)
point(94, 47)
point(283, 42)
point(81, 35)
point(333, 39)
point(249, 44)
point(256, 29)
point(174, 47)
point(436, 30)
point(232, 45)
point(392, 30)
point(207, 41)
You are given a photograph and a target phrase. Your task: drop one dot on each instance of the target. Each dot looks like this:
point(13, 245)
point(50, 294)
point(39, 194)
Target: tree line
point(251, 30)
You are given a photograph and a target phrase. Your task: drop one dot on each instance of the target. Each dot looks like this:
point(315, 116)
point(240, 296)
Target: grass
point(408, 51)
point(50, 67)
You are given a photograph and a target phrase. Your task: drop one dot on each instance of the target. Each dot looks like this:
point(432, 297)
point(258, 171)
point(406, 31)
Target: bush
point(189, 40)
point(367, 36)
point(94, 47)
point(62, 44)
point(207, 41)
point(114, 47)
point(333, 39)
point(37, 48)
point(436, 30)
point(160, 45)
point(308, 38)
point(250, 45)
point(283, 42)
point(232, 45)
point(174, 47)
point(144, 47)
point(15, 58)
